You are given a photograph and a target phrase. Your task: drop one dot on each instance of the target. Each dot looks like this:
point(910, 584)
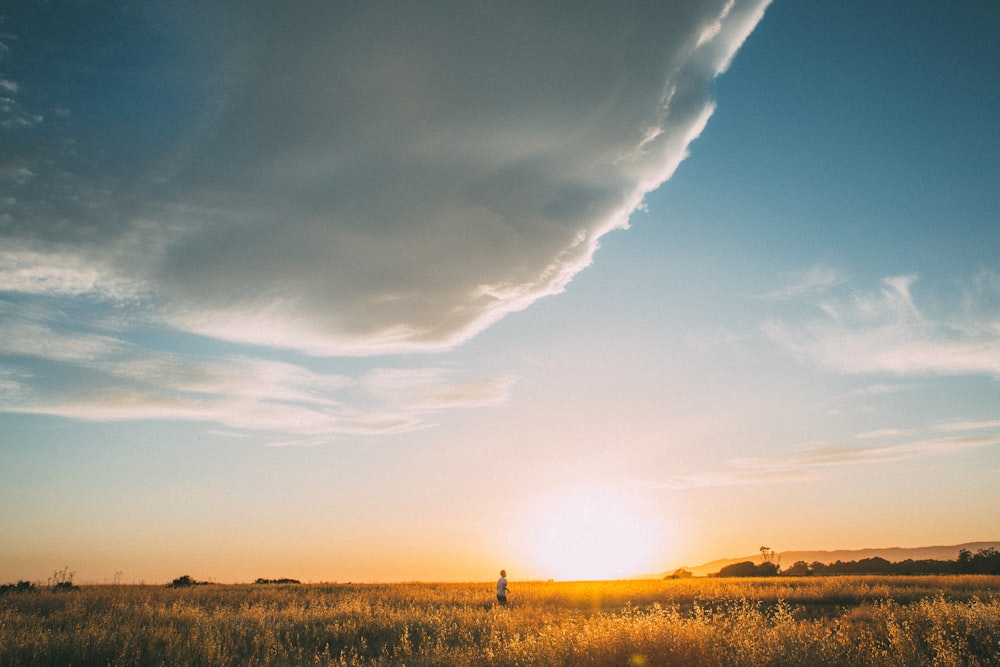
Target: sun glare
point(592, 534)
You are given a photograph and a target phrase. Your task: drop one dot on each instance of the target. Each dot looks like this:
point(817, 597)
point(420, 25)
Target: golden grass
point(952, 620)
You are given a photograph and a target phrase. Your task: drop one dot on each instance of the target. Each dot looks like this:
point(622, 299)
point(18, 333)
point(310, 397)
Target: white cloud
point(886, 332)
point(807, 464)
point(60, 272)
point(884, 433)
point(337, 182)
point(434, 388)
point(11, 387)
point(242, 378)
point(966, 425)
point(113, 381)
point(881, 389)
point(736, 476)
point(34, 339)
point(816, 280)
point(281, 412)
point(372, 180)
point(824, 456)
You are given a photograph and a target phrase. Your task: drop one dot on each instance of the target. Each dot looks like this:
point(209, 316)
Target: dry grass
point(782, 621)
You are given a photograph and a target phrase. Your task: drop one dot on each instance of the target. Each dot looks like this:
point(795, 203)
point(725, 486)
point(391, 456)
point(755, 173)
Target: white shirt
point(502, 586)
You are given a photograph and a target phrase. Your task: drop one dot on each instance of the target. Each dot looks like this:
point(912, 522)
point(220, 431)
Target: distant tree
point(744, 569)
point(986, 561)
point(19, 587)
point(680, 573)
point(184, 581)
point(748, 569)
point(799, 569)
point(767, 570)
point(874, 565)
point(770, 562)
point(878, 565)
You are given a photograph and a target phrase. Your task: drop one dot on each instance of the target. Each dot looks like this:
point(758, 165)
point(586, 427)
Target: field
point(945, 620)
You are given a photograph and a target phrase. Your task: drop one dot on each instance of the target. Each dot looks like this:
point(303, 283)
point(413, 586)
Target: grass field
point(948, 620)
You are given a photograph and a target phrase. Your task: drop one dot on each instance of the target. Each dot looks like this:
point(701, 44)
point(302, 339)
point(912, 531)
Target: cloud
point(886, 332)
point(807, 464)
point(433, 388)
point(884, 433)
point(349, 180)
point(815, 280)
point(880, 389)
point(60, 363)
point(61, 272)
point(285, 402)
point(11, 387)
point(736, 476)
point(965, 425)
point(824, 456)
point(35, 339)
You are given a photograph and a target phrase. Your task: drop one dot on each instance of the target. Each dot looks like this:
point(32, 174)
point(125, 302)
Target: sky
point(342, 292)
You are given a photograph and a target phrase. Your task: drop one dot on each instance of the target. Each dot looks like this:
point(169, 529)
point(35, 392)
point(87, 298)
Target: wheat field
point(946, 620)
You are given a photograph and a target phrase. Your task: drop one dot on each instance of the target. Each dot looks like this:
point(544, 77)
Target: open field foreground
point(950, 620)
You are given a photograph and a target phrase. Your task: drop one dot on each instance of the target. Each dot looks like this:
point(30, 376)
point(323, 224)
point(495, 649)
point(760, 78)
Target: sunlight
point(592, 534)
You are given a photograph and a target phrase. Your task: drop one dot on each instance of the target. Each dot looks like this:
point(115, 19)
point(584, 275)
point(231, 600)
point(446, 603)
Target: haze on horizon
point(579, 290)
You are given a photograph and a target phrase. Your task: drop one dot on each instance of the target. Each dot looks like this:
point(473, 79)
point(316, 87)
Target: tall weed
point(815, 621)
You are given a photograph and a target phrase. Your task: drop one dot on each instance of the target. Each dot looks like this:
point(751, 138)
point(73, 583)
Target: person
point(502, 588)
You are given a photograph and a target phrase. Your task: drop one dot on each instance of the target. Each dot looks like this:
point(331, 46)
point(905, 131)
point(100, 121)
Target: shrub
point(19, 587)
point(62, 580)
point(184, 581)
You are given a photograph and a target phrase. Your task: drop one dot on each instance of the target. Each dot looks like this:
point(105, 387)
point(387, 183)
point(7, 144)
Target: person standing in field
point(502, 588)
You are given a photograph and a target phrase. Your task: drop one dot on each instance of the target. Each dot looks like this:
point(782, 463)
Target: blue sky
point(341, 294)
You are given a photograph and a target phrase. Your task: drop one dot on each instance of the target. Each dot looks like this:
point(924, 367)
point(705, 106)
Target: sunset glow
point(592, 534)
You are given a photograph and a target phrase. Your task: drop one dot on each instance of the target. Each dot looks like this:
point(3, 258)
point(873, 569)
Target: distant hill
point(891, 554)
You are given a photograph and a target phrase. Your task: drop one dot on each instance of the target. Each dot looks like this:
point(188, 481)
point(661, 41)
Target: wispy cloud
point(881, 389)
point(101, 378)
point(434, 388)
point(735, 475)
point(884, 433)
point(36, 339)
point(278, 401)
point(886, 332)
point(11, 387)
point(61, 272)
point(809, 463)
point(357, 182)
point(965, 425)
point(823, 456)
point(808, 284)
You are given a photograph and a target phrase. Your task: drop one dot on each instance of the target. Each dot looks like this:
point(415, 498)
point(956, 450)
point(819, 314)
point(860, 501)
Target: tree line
point(984, 561)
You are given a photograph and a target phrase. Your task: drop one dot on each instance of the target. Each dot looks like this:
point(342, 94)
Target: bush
point(184, 581)
point(62, 580)
point(19, 587)
point(748, 569)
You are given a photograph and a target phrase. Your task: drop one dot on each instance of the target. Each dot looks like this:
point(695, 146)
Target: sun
point(592, 534)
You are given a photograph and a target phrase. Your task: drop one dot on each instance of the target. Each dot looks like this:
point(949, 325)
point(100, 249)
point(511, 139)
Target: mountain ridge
point(892, 554)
